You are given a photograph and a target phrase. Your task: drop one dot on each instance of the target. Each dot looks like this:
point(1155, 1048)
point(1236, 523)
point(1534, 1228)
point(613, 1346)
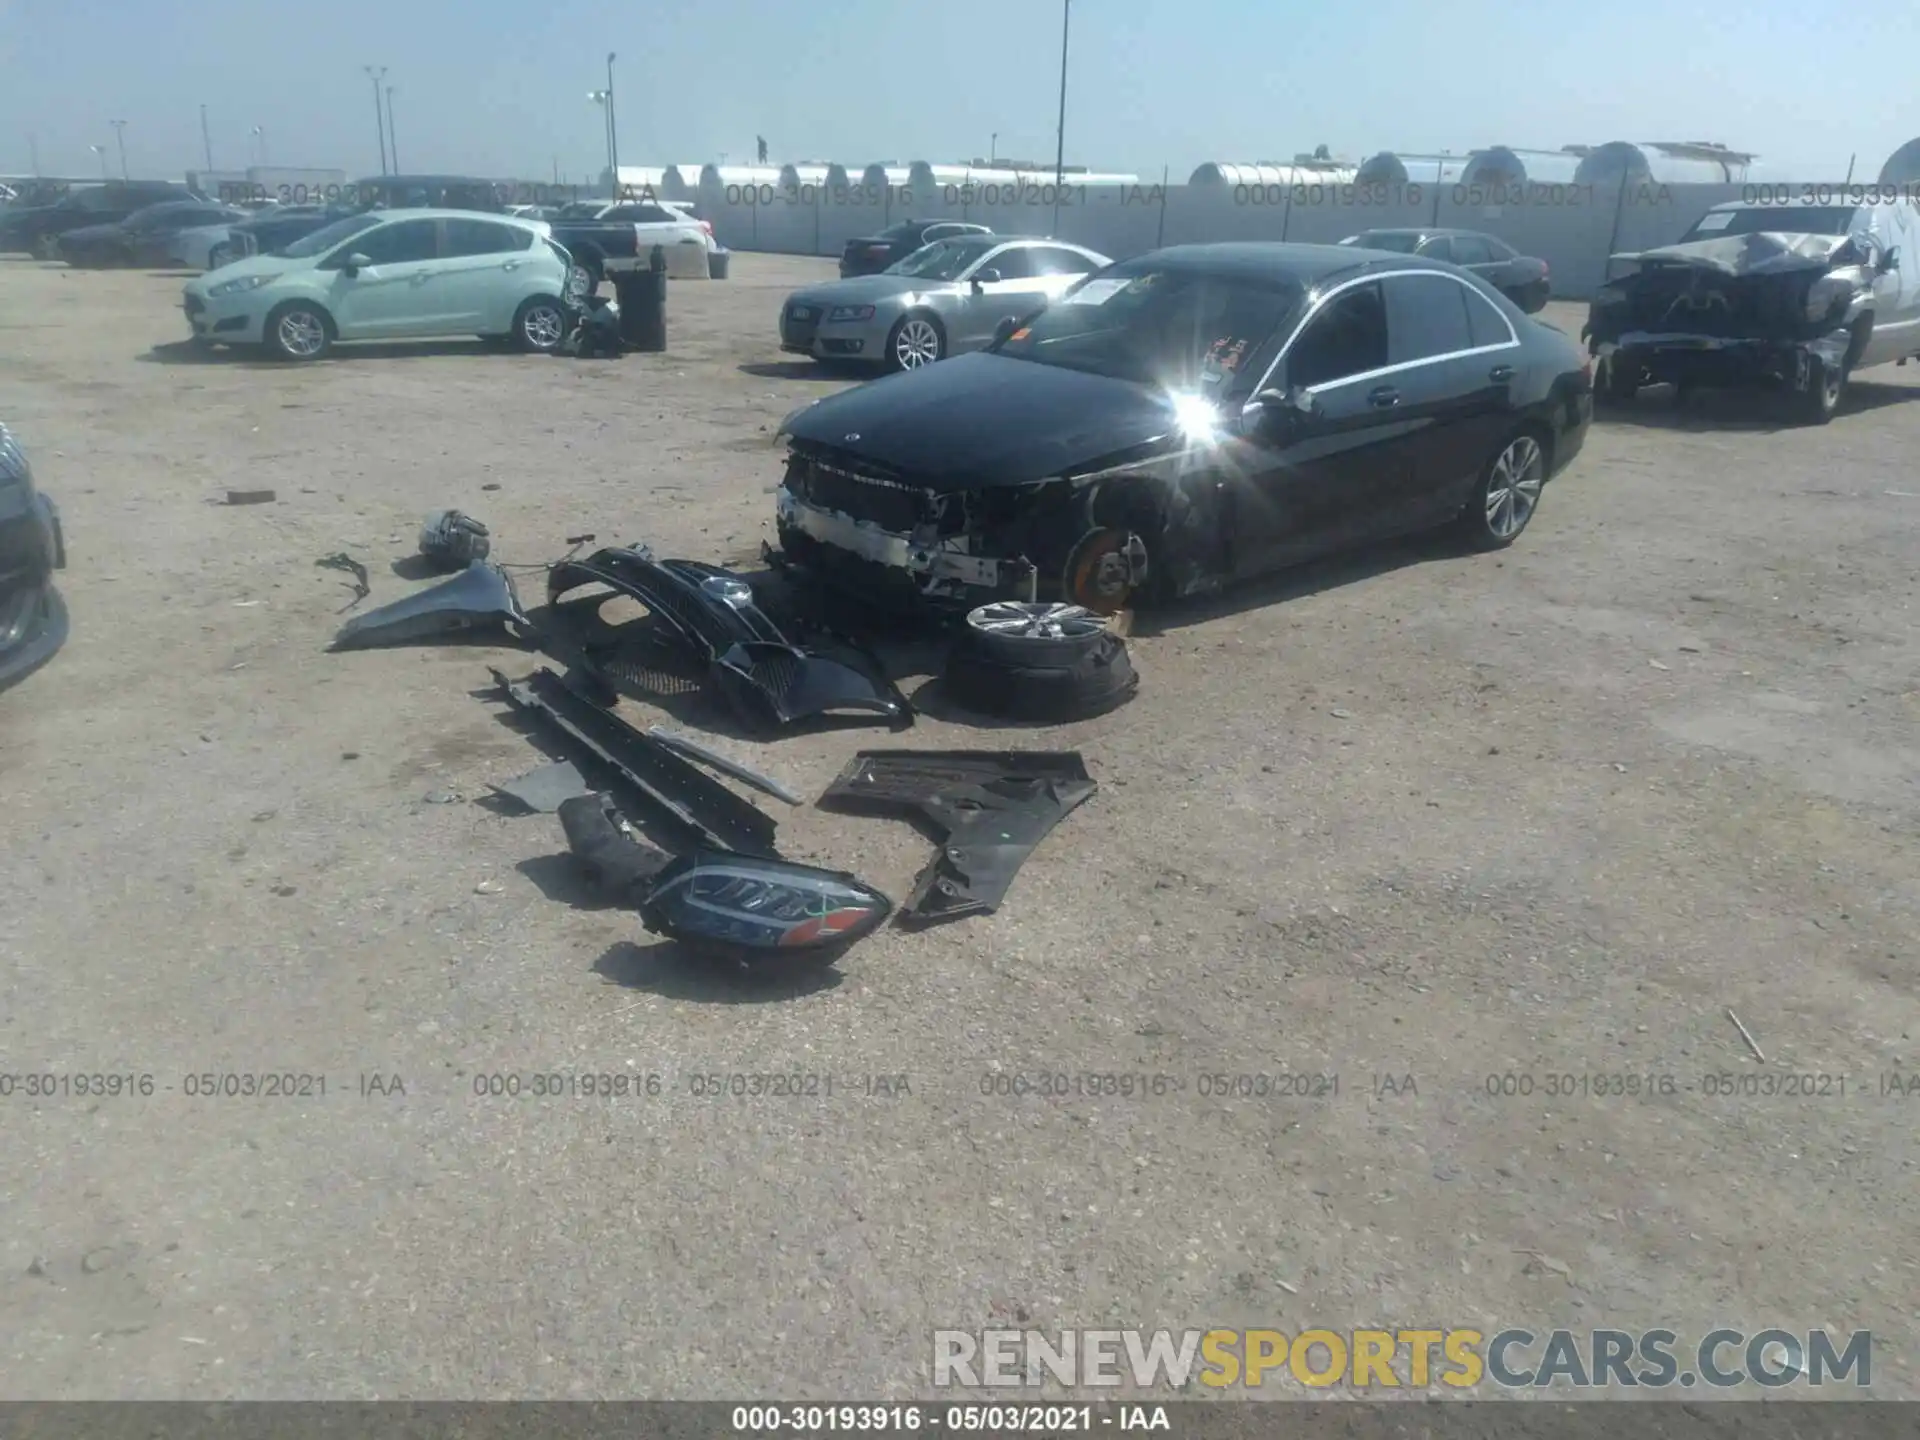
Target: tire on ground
point(1080, 685)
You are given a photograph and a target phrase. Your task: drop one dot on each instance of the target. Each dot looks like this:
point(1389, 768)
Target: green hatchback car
point(390, 275)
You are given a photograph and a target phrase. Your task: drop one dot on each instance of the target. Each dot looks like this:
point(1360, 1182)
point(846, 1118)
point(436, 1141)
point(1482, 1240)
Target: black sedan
point(144, 237)
point(264, 234)
point(33, 619)
point(871, 254)
point(1186, 420)
point(1523, 279)
point(36, 229)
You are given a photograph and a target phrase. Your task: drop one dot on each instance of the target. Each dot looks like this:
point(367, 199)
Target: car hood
point(268, 265)
point(981, 421)
point(1765, 252)
point(867, 290)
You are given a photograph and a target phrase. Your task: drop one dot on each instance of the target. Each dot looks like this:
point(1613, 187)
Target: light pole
point(393, 135)
point(613, 129)
point(603, 99)
point(260, 142)
point(993, 149)
point(206, 137)
point(379, 114)
point(120, 139)
point(101, 151)
point(1060, 151)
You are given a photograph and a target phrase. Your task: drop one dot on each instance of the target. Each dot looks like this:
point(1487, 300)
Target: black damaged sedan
point(33, 618)
point(1186, 420)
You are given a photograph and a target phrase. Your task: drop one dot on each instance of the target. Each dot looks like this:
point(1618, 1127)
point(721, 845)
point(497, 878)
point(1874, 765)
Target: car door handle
point(511, 265)
point(1500, 374)
point(421, 278)
point(1383, 397)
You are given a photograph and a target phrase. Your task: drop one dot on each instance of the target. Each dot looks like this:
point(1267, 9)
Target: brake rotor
point(1104, 570)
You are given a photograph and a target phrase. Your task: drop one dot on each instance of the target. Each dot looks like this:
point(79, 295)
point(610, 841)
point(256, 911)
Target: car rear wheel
point(539, 325)
point(1508, 494)
point(298, 331)
point(916, 340)
point(47, 247)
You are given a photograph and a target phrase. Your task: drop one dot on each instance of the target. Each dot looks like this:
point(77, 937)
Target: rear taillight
point(707, 225)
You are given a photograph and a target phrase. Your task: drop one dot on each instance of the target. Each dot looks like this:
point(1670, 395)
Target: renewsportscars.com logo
point(1458, 1359)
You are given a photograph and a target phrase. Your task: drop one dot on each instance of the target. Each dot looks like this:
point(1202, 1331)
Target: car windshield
point(581, 210)
point(1183, 330)
point(328, 236)
point(1780, 219)
point(1401, 242)
point(942, 260)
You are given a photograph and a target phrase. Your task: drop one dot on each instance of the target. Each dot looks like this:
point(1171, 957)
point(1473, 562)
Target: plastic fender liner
point(992, 807)
point(482, 595)
point(767, 679)
point(690, 800)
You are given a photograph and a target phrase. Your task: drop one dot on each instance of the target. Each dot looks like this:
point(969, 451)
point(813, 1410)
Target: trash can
point(642, 297)
point(717, 264)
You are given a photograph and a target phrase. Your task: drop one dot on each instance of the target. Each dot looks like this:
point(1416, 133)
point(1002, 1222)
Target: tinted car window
point(1426, 316)
point(1470, 250)
point(1174, 329)
point(479, 237)
point(1014, 264)
point(1484, 322)
point(1402, 242)
point(1348, 337)
point(398, 244)
point(942, 232)
point(1500, 249)
point(1052, 260)
point(1438, 248)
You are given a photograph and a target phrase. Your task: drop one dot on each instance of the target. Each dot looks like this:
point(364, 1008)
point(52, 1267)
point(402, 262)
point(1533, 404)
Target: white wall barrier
point(1572, 227)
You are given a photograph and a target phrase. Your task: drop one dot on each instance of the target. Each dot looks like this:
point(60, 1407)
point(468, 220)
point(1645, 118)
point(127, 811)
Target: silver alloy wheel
point(1023, 620)
point(543, 327)
point(917, 344)
point(301, 334)
point(1513, 489)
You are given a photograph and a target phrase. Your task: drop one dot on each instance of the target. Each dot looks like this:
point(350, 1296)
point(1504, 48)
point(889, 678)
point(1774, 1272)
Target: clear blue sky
point(496, 88)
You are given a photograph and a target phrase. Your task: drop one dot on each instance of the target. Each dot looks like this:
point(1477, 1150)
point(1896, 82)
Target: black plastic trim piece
point(688, 799)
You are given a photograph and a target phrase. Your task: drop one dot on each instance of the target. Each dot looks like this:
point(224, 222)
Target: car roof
point(1270, 260)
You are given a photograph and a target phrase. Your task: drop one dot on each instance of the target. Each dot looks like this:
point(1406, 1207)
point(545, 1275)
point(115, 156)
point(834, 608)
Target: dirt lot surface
point(1419, 815)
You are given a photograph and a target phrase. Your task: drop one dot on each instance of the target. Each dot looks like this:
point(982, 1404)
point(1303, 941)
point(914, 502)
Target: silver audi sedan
point(943, 299)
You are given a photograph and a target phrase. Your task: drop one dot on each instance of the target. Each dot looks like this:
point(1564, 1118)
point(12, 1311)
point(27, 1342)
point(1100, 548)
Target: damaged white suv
point(1791, 294)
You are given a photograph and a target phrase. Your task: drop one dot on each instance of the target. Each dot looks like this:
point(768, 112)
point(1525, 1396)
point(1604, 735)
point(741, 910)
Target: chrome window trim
point(1380, 277)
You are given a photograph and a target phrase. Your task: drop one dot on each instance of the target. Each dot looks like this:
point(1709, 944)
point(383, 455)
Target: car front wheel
point(1826, 384)
point(915, 340)
point(1508, 494)
point(298, 331)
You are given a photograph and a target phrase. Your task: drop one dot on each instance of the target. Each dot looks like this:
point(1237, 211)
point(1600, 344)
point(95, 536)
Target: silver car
point(943, 299)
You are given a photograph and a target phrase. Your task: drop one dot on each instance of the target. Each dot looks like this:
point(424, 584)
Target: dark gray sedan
point(945, 298)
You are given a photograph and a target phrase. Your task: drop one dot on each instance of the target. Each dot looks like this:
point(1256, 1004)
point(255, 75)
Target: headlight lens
point(850, 312)
point(742, 904)
point(235, 287)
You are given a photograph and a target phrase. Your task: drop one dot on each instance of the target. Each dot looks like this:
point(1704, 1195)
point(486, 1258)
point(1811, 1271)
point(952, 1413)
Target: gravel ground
point(1414, 815)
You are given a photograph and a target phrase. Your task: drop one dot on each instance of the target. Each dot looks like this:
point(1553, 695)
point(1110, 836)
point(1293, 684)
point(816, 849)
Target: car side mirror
point(354, 264)
point(1281, 411)
point(984, 278)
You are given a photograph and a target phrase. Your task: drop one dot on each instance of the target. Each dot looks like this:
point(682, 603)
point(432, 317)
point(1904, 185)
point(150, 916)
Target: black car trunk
point(867, 255)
